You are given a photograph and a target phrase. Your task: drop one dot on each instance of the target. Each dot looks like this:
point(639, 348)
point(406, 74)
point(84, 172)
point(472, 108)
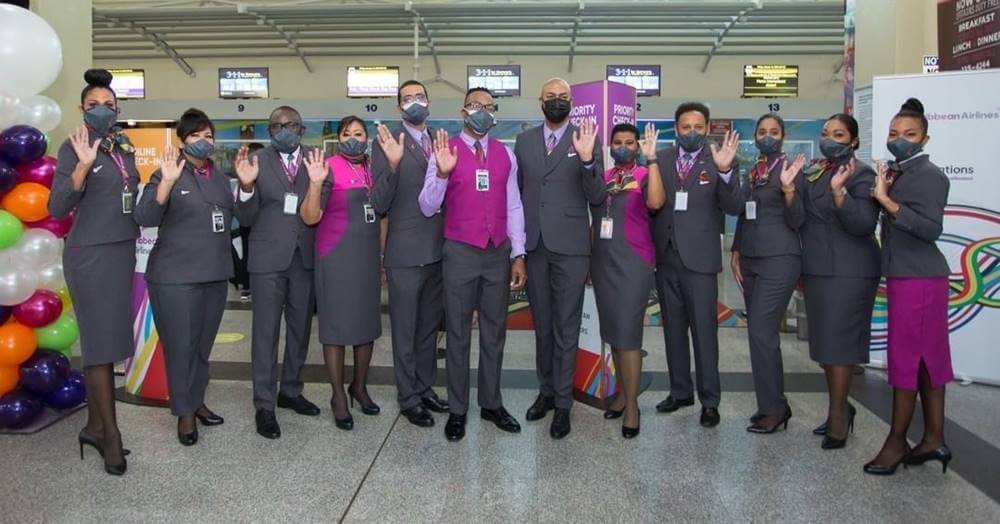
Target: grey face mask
point(903, 149)
point(768, 145)
point(286, 141)
point(201, 149)
point(623, 155)
point(691, 141)
point(100, 118)
point(480, 121)
point(415, 113)
point(834, 150)
point(353, 147)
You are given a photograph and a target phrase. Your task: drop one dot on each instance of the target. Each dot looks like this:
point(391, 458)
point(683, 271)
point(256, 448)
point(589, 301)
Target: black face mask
point(556, 109)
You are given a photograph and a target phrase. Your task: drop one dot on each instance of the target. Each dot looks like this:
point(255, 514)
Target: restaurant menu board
point(968, 34)
point(502, 80)
point(372, 81)
point(770, 81)
point(243, 82)
point(128, 83)
point(644, 78)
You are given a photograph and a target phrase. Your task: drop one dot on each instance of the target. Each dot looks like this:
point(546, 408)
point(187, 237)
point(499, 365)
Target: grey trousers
point(415, 310)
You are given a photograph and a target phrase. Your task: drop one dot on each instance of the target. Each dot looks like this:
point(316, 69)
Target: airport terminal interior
point(239, 60)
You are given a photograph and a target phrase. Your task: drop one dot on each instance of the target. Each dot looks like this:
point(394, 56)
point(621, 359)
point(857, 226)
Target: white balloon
point(36, 248)
point(30, 52)
point(10, 110)
point(16, 285)
point(51, 277)
point(40, 112)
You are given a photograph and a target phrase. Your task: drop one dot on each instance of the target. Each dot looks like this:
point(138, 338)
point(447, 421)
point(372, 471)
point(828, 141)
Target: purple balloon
point(41, 309)
point(22, 144)
point(18, 409)
point(59, 227)
point(75, 376)
point(44, 372)
point(5, 312)
point(40, 171)
point(68, 395)
point(8, 177)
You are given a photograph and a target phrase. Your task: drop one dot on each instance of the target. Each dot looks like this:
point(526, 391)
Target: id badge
point(128, 201)
point(681, 201)
point(482, 180)
point(291, 204)
point(218, 221)
point(751, 210)
point(607, 228)
point(369, 214)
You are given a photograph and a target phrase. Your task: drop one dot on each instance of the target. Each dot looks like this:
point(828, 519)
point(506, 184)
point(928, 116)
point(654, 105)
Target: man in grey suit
point(703, 182)
point(560, 173)
point(412, 254)
point(272, 186)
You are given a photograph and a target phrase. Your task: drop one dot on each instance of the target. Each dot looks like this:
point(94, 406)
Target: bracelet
point(652, 161)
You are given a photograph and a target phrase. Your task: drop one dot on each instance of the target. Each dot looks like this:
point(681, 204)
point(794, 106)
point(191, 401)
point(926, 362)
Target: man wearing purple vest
point(473, 183)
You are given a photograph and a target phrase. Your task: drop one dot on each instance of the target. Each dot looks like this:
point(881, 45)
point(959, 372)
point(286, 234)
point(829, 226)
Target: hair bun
point(98, 77)
point(912, 104)
point(194, 112)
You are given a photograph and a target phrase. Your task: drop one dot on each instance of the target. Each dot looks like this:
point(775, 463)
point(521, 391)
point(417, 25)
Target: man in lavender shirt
point(473, 182)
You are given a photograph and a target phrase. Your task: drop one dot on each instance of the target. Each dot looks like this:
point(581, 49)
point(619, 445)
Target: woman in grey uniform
point(96, 179)
point(348, 280)
point(189, 200)
point(841, 266)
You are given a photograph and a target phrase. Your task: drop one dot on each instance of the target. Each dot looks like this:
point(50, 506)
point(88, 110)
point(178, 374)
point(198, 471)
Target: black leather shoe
point(418, 416)
point(187, 439)
point(883, 470)
point(540, 408)
point(298, 404)
point(560, 424)
point(758, 415)
point(435, 404)
point(941, 454)
point(267, 424)
point(613, 413)
point(209, 418)
point(761, 429)
point(501, 419)
point(671, 404)
point(368, 406)
point(346, 423)
point(820, 429)
point(454, 429)
point(709, 417)
point(631, 433)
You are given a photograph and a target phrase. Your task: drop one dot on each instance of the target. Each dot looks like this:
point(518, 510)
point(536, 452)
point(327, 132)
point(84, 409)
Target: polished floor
point(387, 470)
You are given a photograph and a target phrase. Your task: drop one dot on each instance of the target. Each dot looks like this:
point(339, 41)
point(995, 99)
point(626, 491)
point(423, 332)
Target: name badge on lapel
point(128, 202)
point(218, 221)
point(369, 214)
point(291, 204)
point(681, 201)
point(751, 210)
point(607, 228)
point(482, 180)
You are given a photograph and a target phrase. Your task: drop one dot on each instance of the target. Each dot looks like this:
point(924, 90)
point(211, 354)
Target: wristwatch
point(522, 257)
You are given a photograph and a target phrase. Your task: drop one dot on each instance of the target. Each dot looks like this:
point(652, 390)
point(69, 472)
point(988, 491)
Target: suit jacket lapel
point(279, 169)
point(696, 169)
point(416, 149)
point(560, 151)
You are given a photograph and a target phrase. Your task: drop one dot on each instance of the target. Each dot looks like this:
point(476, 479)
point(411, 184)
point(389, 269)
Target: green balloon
point(10, 229)
point(59, 335)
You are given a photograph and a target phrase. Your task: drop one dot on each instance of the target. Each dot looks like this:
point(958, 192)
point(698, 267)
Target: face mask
point(834, 150)
point(691, 141)
point(199, 150)
point(556, 110)
point(903, 149)
point(480, 122)
point(100, 118)
point(286, 141)
point(623, 155)
point(353, 147)
point(769, 145)
point(415, 113)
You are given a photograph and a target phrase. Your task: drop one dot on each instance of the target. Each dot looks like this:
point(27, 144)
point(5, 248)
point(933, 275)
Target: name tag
point(369, 214)
point(607, 228)
point(291, 204)
point(681, 201)
point(218, 221)
point(482, 180)
point(128, 202)
point(751, 210)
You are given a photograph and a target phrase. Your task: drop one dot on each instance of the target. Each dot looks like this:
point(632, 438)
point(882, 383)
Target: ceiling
point(183, 30)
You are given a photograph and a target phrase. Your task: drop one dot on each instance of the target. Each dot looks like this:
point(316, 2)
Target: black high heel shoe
point(92, 441)
point(837, 443)
point(760, 429)
point(941, 454)
point(872, 468)
point(821, 429)
point(209, 419)
point(612, 413)
point(345, 424)
point(628, 432)
point(371, 408)
point(187, 439)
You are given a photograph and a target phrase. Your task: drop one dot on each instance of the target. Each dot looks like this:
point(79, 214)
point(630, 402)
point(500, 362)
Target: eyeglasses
point(276, 127)
point(420, 97)
point(476, 106)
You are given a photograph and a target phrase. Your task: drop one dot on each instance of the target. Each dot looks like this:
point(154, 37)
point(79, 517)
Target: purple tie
point(480, 154)
point(292, 172)
point(425, 142)
point(550, 144)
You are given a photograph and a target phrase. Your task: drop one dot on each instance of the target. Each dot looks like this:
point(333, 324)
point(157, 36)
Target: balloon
point(75, 376)
point(10, 229)
point(28, 201)
point(32, 53)
point(44, 372)
point(37, 248)
point(42, 309)
point(63, 293)
point(19, 409)
point(50, 277)
point(5, 313)
point(41, 112)
point(70, 394)
point(10, 111)
point(9, 377)
point(60, 227)
point(40, 171)
point(22, 144)
point(59, 335)
point(16, 284)
point(8, 177)
point(17, 343)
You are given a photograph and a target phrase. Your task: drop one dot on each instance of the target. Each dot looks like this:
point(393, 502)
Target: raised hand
point(881, 189)
point(648, 142)
point(392, 147)
point(725, 155)
point(584, 139)
point(86, 152)
point(170, 169)
point(839, 179)
point(246, 168)
point(315, 161)
point(445, 155)
point(790, 171)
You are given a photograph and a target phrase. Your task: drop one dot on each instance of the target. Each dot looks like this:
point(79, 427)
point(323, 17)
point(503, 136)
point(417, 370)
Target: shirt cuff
point(245, 196)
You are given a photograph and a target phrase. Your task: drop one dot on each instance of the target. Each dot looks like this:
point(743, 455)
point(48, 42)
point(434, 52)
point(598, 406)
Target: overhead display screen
point(770, 81)
point(372, 81)
point(243, 82)
point(644, 78)
point(502, 80)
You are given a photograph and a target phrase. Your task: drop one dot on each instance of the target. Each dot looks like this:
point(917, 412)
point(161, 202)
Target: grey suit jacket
point(696, 233)
point(909, 247)
point(187, 250)
point(98, 206)
point(413, 240)
point(555, 190)
point(274, 236)
point(841, 242)
point(776, 230)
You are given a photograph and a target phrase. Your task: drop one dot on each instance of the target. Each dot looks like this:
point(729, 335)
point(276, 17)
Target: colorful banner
point(595, 378)
point(145, 374)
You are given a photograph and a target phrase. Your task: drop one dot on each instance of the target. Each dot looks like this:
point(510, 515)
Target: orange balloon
point(28, 201)
point(8, 379)
point(17, 344)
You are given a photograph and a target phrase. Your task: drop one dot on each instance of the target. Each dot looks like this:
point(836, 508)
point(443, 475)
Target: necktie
point(480, 154)
point(550, 144)
point(425, 142)
point(686, 161)
point(291, 168)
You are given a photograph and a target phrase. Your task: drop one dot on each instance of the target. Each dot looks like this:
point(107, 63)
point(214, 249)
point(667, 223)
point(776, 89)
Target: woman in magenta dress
point(913, 192)
point(621, 266)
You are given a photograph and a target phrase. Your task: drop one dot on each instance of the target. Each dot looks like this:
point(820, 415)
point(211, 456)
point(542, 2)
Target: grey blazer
point(98, 206)
point(413, 240)
point(776, 230)
point(909, 246)
point(187, 250)
point(696, 232)
point(841, 242)
point(556, 189)
point(274, 236)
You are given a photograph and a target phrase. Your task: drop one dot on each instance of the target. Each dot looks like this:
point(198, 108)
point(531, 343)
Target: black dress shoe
point(501, 419)
point(761, 429)
point(631, 433)
point(298, 404)
point(709, 417)
point(613, 413)
point(368, 406)
point(560, 424)
point(758, 415)
point(821, 429)
point(538, 410)
point(454, 429)
point(418, 416)
point(883, 470)
point(187, 439)
point(209, 418)
point(941, 454)
point(346, 423)
point(267, 424)
point(435, 404)
point(671, 404)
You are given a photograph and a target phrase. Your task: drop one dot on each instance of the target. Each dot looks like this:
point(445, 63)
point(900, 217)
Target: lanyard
point(684, 168)
point(120, 164)
point(366, 177)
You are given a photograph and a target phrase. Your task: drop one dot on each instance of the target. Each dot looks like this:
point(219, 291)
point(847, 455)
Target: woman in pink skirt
point(912, 192)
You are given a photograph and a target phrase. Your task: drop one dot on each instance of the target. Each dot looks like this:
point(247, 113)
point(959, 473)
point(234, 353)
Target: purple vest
point(477, 217)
